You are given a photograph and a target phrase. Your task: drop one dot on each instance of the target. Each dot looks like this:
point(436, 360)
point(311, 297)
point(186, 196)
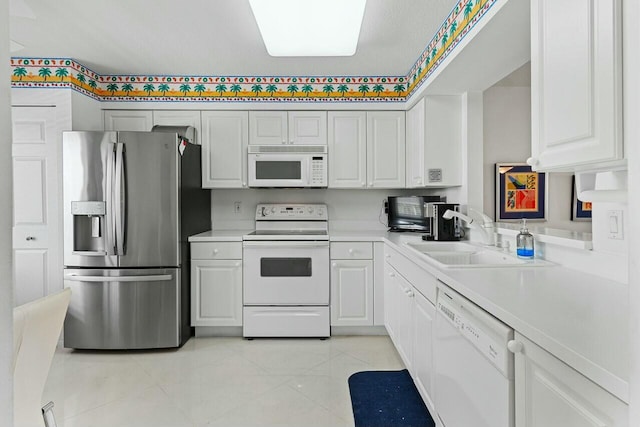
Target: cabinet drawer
point(351, 250)
point(216, 250)
point(420, 279)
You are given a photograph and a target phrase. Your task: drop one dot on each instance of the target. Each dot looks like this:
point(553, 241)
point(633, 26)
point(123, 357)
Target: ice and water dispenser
point(88, 227)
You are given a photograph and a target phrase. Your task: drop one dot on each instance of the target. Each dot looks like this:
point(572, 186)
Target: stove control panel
point(290, 212)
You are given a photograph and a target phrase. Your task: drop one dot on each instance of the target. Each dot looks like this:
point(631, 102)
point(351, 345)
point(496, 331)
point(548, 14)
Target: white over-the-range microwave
point(287, 166)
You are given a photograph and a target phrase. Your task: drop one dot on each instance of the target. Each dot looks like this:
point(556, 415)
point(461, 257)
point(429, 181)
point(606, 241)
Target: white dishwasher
point(473, 368)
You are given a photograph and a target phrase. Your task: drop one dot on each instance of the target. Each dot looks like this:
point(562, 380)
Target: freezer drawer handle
point(152, 278)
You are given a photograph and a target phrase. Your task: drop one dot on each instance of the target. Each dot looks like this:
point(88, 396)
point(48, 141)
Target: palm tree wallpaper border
point(68, 73)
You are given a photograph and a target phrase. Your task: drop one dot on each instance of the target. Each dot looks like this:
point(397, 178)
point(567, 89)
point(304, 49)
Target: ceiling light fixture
point(309, 27)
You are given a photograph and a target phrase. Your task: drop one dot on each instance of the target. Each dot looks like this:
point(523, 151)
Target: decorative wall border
point(68, 73)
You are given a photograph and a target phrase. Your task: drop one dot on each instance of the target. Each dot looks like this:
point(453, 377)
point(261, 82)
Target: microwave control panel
point(318, 171)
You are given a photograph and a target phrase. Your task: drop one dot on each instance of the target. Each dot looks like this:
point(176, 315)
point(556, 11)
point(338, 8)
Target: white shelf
point(566, 238)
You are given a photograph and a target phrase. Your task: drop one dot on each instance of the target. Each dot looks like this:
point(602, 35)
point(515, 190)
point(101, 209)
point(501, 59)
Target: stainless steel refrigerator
point(131, 200)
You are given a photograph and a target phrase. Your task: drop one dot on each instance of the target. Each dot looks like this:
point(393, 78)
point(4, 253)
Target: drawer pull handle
point(30, 238)
point(351, 251)
point(409, 293)
point(334, 264)
point(515, 346)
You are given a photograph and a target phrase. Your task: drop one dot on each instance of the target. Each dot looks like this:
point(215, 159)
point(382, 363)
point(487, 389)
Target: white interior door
point(36, 203)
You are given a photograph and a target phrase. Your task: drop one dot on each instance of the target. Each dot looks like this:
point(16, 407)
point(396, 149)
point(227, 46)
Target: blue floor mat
point(387, 399)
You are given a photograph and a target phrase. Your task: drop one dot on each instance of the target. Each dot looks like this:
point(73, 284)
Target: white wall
point(6, 279)
point(631, 78)
point(86, 112)
point(348, 209)
point(507, 138)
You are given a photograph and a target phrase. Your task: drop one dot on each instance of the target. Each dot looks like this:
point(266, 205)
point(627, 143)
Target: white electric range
point(286, 272)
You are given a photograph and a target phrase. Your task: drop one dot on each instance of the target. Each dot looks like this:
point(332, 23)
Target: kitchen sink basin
point(424, 247)
point(466, 255)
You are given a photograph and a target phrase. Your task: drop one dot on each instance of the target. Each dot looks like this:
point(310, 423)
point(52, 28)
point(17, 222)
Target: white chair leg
point(47, 414)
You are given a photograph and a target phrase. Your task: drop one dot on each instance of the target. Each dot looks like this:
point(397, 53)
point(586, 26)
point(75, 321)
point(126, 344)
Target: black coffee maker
point(441, 229)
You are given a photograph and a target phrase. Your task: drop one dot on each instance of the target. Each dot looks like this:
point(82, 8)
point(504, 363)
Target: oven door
point(286, 273)
point(279, 170)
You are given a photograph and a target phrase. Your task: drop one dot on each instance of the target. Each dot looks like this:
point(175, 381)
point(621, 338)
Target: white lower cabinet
point(424, 315)
point(410, 319)
point(550, 393)
point(351, 293)
point(399, 314)
point(216, 287)
point(352, 284)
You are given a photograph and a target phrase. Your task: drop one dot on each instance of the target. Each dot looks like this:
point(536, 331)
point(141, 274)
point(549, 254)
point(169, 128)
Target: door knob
point(30, 238)
point(515, 346)
point(532, 161)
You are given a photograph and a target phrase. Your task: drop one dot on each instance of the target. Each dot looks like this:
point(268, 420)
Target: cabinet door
point(308, 127)
point(216, 293)
point(180, 118)
point(415, 169)
point(128, 120)
point(351, 293)
point(398, 304)
point(347, 149)
point(385, 149)
point(268, 127)
point(443, 141)
point(424, 314)
point(576, 95)
point(550, 393)
point(224, 149)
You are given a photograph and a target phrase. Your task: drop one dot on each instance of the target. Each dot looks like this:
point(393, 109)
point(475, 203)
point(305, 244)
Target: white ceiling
point(212, 37)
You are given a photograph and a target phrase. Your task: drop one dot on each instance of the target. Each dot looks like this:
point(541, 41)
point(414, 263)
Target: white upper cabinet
point(224, 149)
point(128, 120)
point(576, 85)
point(386, 149)
point(434, 139)
point(180, 118)
point(347, 149)
point(268, 127)
point(288, 127)
point(308, 127)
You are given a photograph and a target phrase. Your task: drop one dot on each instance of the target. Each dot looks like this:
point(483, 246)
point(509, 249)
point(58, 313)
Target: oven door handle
point(286, 244)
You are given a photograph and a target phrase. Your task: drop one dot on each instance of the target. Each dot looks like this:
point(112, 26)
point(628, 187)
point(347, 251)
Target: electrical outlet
point(237, 207)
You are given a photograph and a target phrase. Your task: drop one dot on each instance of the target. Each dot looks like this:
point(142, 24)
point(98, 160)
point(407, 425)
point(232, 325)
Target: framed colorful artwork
point(580, 211)
point(520, 192)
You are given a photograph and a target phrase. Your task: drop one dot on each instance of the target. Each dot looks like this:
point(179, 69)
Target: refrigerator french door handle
point(111, 213)
point(120, 198)
point(149, 278)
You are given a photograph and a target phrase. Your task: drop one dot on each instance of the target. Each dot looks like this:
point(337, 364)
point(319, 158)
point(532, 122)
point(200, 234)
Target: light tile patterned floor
point(216, 382)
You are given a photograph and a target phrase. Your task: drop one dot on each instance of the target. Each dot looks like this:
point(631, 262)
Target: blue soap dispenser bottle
point(524, 242)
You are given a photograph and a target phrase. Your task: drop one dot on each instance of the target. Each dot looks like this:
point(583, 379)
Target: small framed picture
point(580, 211)
point(520, 192)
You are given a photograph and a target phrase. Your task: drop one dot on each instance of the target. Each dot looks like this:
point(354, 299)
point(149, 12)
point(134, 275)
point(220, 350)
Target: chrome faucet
point(486, 228)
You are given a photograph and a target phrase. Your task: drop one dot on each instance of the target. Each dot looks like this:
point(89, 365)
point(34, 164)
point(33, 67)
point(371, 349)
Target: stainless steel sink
point(466, 255)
